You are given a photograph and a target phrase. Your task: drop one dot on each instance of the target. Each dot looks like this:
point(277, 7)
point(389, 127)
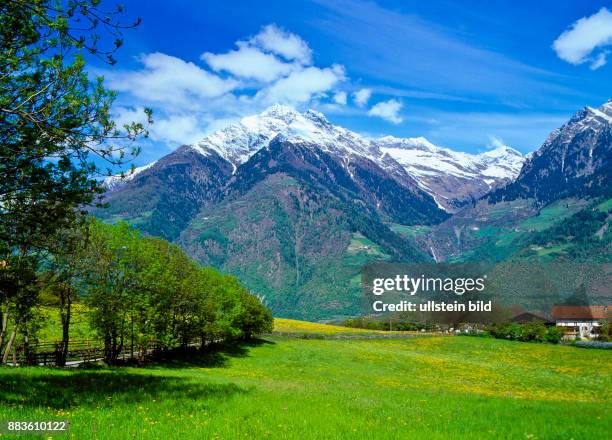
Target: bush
point(605, 333)
point(532, 332)
point(554, 335)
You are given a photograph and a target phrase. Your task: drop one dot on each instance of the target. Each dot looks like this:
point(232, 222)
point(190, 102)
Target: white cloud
point(301, 86)
point(169, 80)
point(171, 128)
point(177, 129)
point(586, 35)
point(600, 60)
point(248, 62)
point(495, 142)
point(362, 97)
point(340, 98)
point(388, 110)
point(125, 116)
point(190, 99)
point(281, 42)
point(281, 62)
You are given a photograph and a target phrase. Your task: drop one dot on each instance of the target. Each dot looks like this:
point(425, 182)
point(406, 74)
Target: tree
point(54, 122)
point(255, 317)
point(56, 127)
point(111, 270)
point(18, 294)
point(62, 275)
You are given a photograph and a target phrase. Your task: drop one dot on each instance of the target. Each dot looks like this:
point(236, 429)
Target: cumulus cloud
point(301, 86)
point(340, 98)
point(273, 66)
point(361, 97)
point(282, 64)
point(169, 80)
point(283, 43)
point(248, 62)
point(173, 128)
point(177, 129)
point(388, 110)
point(587, 35)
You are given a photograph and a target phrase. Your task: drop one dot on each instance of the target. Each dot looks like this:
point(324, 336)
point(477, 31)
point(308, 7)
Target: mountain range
point(295, 205)
point(449, 177)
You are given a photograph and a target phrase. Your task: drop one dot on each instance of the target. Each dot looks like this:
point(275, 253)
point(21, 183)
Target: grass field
point(51, 330)
point(302, 328)
point(291, 388)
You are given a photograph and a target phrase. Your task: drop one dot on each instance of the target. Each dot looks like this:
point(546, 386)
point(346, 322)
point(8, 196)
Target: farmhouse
point(581, 321)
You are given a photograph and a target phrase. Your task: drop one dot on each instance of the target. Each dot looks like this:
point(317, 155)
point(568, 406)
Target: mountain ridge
point(474, 173)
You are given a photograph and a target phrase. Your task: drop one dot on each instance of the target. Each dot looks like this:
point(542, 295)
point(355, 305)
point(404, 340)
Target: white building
point(580, 321)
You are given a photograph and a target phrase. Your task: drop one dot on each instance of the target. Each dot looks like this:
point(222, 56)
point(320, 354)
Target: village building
point(581, 321)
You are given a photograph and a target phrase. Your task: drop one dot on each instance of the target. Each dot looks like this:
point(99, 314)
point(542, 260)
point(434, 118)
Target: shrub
point(554, 335)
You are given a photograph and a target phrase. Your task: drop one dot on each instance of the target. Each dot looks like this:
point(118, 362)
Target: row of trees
point(141, 292)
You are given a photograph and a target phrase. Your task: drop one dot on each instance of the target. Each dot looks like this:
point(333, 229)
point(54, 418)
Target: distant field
point(291, 388)
point(409, 231)
point(297, 328)
point(294, 326)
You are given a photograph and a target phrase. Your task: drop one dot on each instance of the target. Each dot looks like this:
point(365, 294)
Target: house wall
point(581, 328)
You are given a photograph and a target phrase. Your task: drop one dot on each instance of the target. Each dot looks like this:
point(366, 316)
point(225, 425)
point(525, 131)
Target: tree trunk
point(65, 309)
point(9, 344)
point(5, 317)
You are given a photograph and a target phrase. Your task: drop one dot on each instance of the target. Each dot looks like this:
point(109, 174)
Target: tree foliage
point(56, 126)
point(144, 291)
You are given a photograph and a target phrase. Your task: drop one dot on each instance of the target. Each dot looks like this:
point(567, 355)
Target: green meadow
point(292, 387)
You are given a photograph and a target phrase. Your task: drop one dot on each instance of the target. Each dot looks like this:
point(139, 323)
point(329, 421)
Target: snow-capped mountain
point(452, 177)
point(112, 182)
point(239, 141)
point(573, 161)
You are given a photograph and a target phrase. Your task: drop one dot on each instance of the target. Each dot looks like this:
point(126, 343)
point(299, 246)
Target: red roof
point(581, 312)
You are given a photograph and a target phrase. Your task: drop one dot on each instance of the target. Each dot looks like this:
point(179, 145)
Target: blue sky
point(468, 75)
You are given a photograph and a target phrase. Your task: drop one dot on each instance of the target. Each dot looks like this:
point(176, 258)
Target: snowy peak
point(421, 157)
point(280, 112)
point(452, 177)
point(574, 161)
point(588, 118)
point(411, 143)
point(503, 151)
point(449, 176)
point(112, 182)
point(239, 141)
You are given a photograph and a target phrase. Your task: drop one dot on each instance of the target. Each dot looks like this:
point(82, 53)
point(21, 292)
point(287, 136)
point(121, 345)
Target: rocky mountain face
point(559, 204)
point(161, 199)
point(575, 161)
point(453, 178)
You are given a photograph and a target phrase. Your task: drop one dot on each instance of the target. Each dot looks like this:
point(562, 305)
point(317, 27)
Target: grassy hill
point(292, 388)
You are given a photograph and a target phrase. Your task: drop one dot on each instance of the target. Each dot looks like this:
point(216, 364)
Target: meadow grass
point(51, 330)
point(289, 388)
